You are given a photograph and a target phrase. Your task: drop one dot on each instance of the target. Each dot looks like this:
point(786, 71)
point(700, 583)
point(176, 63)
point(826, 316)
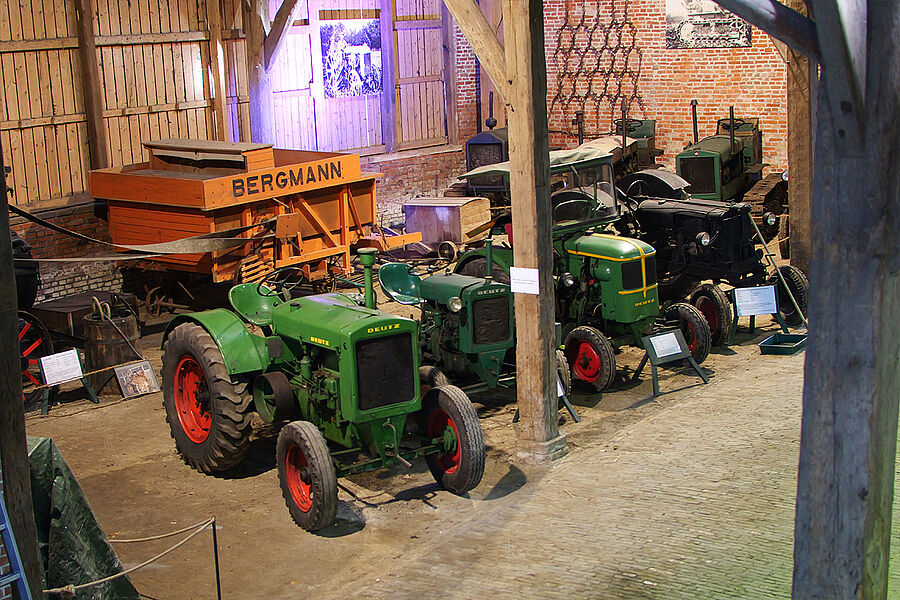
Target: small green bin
point(783, 343)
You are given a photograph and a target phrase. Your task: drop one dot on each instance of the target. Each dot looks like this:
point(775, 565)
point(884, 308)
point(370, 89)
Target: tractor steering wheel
point(630, 124)
point(272, 286)
point(725, 124)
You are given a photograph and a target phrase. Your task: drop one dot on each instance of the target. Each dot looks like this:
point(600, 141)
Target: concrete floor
point(690, 495)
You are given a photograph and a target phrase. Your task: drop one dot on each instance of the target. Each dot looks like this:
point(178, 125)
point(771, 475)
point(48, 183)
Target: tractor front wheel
point(447, 413)
point(208, 413)
point(591, 357)
point(694, 328)
point(798, 284)
point(431, 377)
point(307, 476)
point(712, 302)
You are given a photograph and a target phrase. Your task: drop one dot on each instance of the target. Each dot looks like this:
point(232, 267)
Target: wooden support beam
point(529, 153)
point(852, 376)
point(13, 451)
point(483, 41)
point(277, 34)
point(778, 21)
point(448, 68)
point(390, 124)
point(90, 81)
point(217, 67)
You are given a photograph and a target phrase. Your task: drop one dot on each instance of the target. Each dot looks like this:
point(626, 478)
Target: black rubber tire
point(694, 328)
point(229, 403)
point(307, 443)
point(563, 371)
point(716, 308)
point(582, 372)
point(431, 377)
point(784, 236)
point(799, 286)
point(477, 267)
point(468, 469)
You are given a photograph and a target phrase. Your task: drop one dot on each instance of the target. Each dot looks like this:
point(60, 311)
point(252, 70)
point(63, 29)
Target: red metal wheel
point(706, 306)
point(587, 365)
point(298, 480)
point(690, 335)
point(438, 422)
point(192, 399)
point(34, 343)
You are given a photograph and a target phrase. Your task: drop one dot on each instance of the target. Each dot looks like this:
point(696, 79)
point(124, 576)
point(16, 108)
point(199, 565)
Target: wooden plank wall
point(154, 67)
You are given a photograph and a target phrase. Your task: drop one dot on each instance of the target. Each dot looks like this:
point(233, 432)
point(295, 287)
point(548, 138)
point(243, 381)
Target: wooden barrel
point(106, 347)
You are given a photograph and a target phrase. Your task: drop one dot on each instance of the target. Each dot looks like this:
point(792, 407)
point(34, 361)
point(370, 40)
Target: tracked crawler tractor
point(341, 376)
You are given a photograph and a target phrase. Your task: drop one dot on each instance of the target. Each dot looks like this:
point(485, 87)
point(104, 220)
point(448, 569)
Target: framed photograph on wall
point(137, 379)
point(704, 24)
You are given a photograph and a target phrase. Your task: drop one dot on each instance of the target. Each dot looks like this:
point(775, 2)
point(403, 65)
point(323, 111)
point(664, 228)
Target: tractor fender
point(501, 257)
point(242, 351)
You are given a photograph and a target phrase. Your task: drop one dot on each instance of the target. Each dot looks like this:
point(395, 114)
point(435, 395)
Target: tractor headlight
point(567, 279)
point(703, 238)
point(454, 304)
point(770, 219)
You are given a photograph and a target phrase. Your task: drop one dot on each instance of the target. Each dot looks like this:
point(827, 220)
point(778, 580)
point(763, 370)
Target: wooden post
point(389, 119)
point(13, 452)
point(262, 47)
point(519, 71)
point(448, 64)
point(217, 66)
point(90, 81)
point(529, 153)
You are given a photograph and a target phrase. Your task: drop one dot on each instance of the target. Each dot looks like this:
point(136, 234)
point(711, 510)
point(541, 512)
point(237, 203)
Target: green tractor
point(467, 326)
point(341, 375)
point(606, 290)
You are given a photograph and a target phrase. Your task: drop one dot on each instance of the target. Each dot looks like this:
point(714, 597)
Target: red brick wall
point(752, 79)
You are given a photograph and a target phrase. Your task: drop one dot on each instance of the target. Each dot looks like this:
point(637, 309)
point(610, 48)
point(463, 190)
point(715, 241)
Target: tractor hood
point(714, 145)
point(330, 320)
point(659, 212)
point(438, 289)
point(609, 247)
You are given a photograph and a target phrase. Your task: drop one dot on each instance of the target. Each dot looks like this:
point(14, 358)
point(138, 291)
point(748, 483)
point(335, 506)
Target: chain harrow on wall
point(598, 63)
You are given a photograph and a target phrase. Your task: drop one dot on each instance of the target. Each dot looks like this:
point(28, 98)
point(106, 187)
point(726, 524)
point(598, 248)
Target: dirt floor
point(125, 460)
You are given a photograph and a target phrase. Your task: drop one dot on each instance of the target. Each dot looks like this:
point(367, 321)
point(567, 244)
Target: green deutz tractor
point(606, 290)
point(467, 326)
point(341, 375)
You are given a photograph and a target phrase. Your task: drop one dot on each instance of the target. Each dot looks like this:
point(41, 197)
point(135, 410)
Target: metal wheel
point(307, 475)
point(34, 343)
point(192, 399)
point(591, 357)
point(715, 307)
point(447, 414)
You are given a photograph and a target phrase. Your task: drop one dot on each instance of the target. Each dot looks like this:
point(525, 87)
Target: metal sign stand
point(659, 354)
point(734, 324)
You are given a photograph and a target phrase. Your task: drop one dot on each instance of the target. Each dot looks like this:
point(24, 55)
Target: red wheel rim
point(690, 336)
point(298, 480)
point(192, 399)
point(31, 348)
point(587, 364)
point(708, 308)
point(438, 423)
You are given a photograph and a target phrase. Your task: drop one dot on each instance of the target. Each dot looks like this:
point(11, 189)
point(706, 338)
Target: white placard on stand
point(755, 301)
point(61, 367)
point(665, 344)
point(524, 281)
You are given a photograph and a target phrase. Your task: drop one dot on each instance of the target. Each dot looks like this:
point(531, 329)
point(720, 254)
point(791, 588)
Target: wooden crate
point(446, 219)
point(192, 187)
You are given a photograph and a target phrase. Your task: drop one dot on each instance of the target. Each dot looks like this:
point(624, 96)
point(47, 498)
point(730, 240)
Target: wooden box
point(446, 219)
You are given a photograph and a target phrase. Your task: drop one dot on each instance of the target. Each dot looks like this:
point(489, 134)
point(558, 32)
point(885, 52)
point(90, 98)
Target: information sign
point(61, 367)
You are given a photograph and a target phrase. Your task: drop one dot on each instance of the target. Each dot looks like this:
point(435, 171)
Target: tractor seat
point(399, 283)
point(252, 307)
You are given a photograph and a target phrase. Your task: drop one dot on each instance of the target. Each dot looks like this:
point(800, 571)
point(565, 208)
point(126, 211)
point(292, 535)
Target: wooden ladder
point(16, 575)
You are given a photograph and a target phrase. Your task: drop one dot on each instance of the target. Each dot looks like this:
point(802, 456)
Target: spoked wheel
point(431, 377)
point(715, 307)
point(693, 327)
point(34, 342)
point(208, 413)
point(591, 357)
point(307, 476)
point(447, 414)
point(798, 284)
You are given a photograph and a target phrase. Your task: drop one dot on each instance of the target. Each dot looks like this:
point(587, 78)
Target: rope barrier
point(68, 591)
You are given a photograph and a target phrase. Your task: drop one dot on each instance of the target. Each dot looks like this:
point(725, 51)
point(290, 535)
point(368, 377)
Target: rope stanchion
point(68, 591)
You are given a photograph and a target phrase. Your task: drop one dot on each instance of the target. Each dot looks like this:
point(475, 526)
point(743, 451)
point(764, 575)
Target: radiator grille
point(480, 155)
point(700, 173)
point(385, 371)
point(491, 320)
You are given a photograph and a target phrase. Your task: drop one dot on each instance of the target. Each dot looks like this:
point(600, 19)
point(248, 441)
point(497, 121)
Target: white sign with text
point(665, 344)
point(755, 301)
point(61, 367)
point(524, 281)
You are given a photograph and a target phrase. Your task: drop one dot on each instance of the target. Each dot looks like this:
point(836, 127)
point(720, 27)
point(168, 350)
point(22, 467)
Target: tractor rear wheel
point(431, 377)
point(694, 328)
point(477, 267)
point(448, 413)
point(591, 357)
point(307, 476)
point(712, 302)
point(798, 284)
point(563, 372)
point(207, 412)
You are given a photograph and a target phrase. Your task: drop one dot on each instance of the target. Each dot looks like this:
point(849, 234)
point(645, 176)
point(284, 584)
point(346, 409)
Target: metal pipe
point(489, 259)
point(367, 258)
point(624, 128)
point(694, 118)
point(731, 125)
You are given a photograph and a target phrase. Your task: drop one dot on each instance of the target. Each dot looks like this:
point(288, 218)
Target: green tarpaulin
point(73, 547)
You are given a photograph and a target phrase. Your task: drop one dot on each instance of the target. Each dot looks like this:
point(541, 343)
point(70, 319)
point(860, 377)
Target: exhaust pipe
point(624, 127)
point(694, 118)
point(731, 125)
point(367, 258)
